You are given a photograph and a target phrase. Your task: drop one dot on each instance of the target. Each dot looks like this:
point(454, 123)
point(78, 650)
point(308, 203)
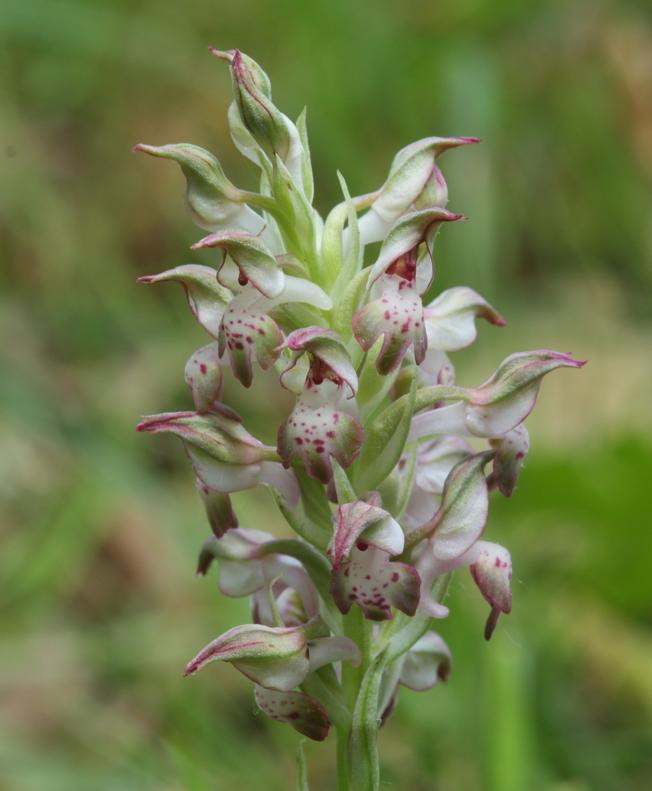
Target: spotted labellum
point(383, 467)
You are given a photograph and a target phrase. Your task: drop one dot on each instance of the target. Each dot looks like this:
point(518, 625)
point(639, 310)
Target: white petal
point(223, 477)
point(325, 650)
point(298, 289)
point(274, 474)
point(449, 419)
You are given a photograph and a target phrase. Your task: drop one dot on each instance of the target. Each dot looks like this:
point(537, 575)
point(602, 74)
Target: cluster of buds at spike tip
point(378, 466)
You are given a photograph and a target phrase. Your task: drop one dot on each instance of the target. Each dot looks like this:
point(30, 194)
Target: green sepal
point(302, 769)
point(348, 303)
point(252, 93)
point(250, 255)
point(293, 214)
point(389, 492)
point(408, 481)
point(352, 256)
point(315, 502)
point(374, 387)
point(343, 488)
point(211, 197)
point(363, 747)
point(206, 298)
point(385, 438)
point(306, 165)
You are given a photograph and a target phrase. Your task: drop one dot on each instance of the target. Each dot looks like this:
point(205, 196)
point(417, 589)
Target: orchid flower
point(383, 466)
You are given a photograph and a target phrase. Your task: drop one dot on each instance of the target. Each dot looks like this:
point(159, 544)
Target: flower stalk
point(372, 468)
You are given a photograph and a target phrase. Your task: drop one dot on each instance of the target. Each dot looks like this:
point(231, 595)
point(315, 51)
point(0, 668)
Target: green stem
point(358, 756)
point(343, 759)
point(363, 753)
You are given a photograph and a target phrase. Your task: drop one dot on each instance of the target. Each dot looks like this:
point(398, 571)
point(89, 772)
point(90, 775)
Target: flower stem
point(357, 756)
point(342, 759)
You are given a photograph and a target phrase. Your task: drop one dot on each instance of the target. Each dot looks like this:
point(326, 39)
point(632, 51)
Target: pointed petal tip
point(491, 623)
point(160, 422)
point(226, 55)
point(145, 425)
point(145, 279)
point(469, 140)
point(568, 359)
point(155, 151)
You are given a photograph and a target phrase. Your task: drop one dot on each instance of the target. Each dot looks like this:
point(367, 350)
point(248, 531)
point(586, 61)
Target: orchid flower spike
point(382, 465)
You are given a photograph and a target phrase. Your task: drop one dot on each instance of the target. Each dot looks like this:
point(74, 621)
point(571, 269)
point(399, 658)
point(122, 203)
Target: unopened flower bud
point(270, 128)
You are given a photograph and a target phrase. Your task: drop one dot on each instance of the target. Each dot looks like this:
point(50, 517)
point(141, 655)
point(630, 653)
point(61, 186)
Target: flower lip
point(328, 356)
point(407, 233)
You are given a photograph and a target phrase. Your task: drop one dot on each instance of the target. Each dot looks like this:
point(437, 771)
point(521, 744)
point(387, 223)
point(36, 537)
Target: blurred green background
point(99, 605)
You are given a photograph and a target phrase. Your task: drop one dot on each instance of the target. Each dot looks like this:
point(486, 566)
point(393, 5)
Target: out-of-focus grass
point(99, 528)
